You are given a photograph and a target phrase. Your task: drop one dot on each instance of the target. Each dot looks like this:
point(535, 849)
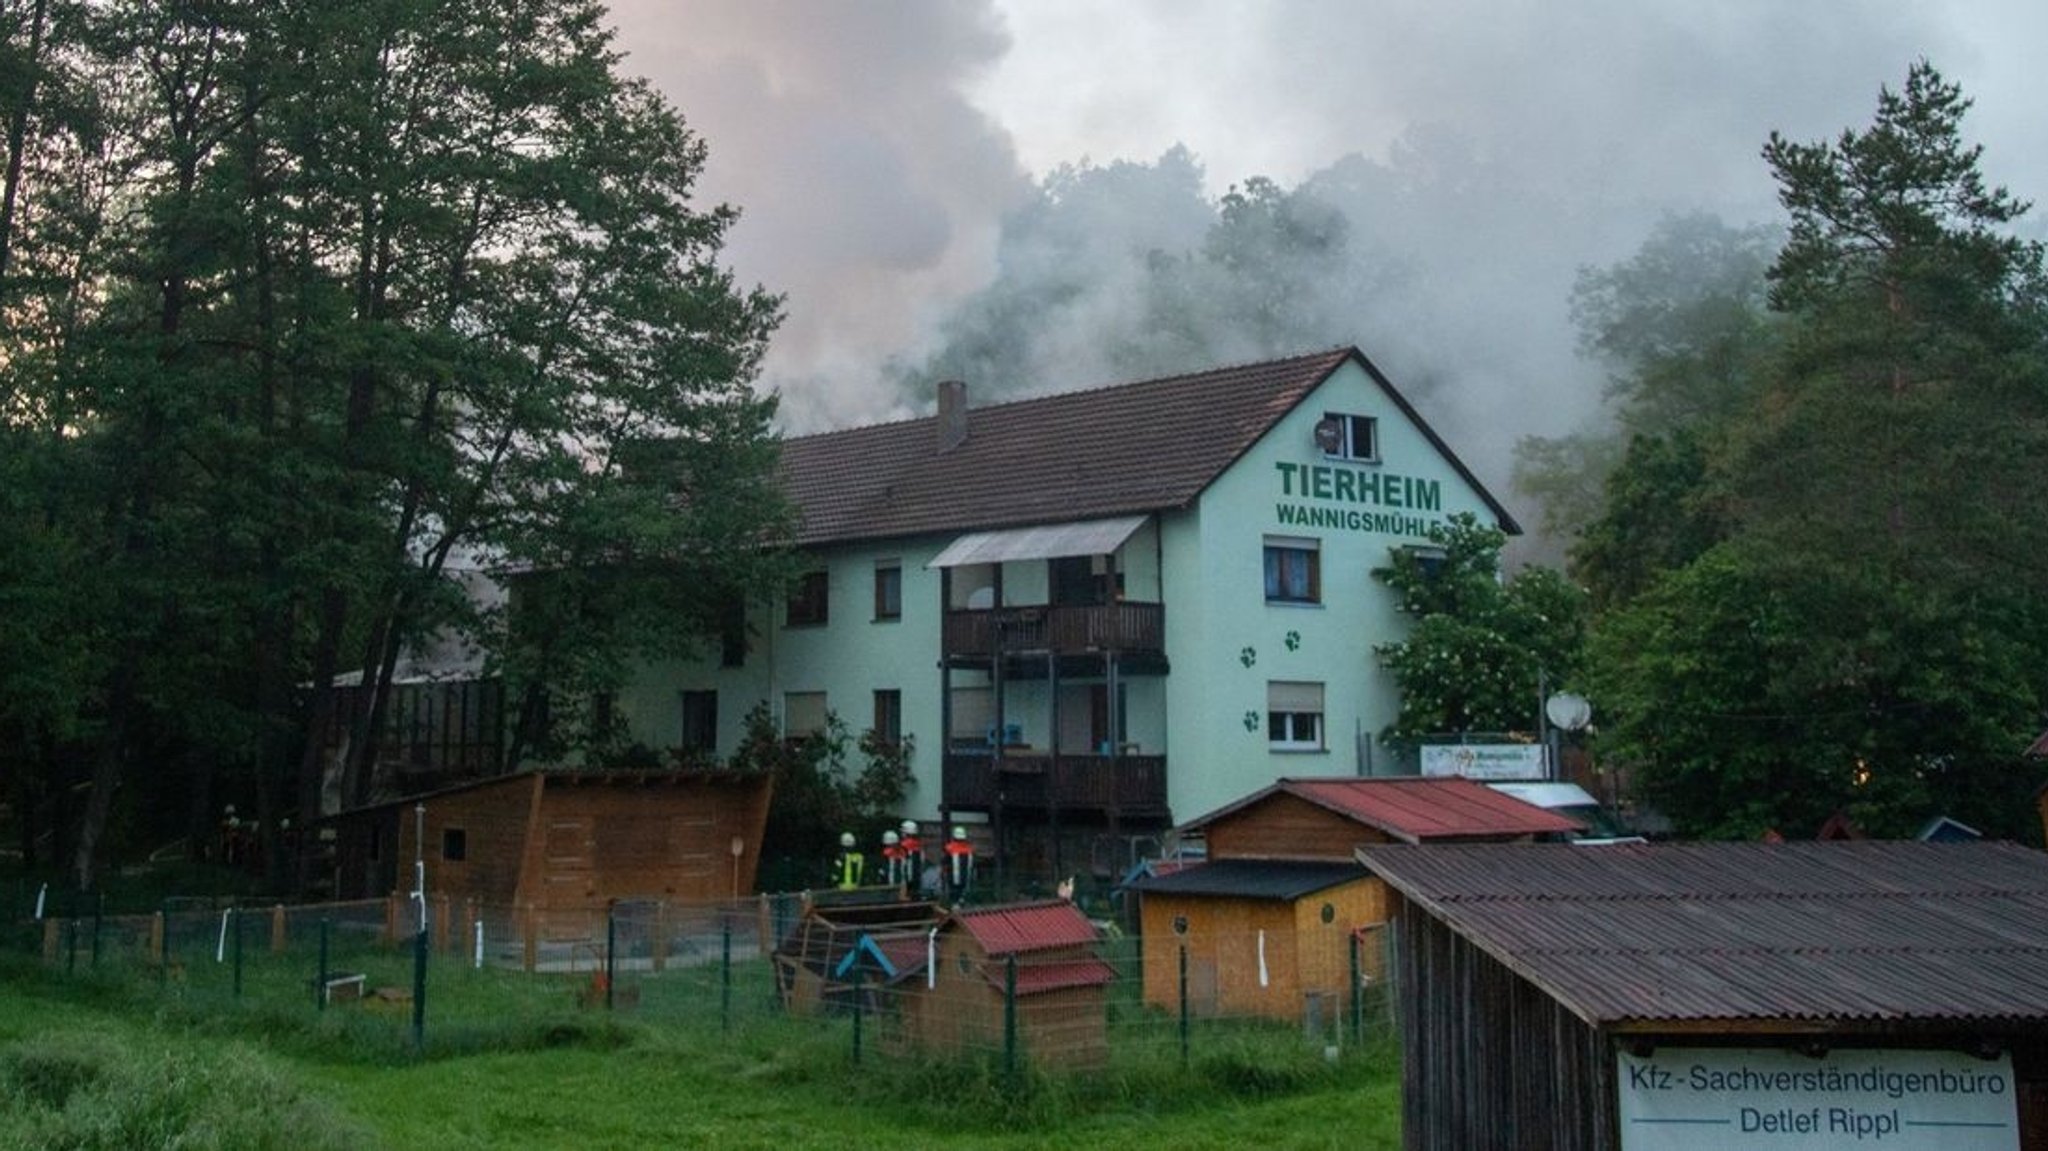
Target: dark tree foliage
point(1828, 599)
point(302, 305)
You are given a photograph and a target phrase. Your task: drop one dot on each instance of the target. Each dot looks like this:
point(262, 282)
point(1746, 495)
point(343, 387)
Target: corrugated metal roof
point(1016, 928)
point(1123, 450)
point(1415, 809)
point(1049, 541)
point(1252, 879)
point(1060, 974)
point(1869, 931)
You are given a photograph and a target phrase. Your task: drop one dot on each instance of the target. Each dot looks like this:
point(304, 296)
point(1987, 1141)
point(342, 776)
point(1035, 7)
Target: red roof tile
point(1132, 448)
point(1059, 974)
point(1415, 809)
point(1016, 928)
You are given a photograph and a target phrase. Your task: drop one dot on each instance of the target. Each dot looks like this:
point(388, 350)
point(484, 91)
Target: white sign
point(1485, 760)
point(1701, 1098)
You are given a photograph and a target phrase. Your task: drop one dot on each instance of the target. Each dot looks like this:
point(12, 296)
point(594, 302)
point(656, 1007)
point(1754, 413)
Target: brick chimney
point(952, 414)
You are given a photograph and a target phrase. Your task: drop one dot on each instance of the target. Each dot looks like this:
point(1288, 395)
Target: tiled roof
point(1036, 978)
point(1016, 928)
point(1120, 450)
point(1252, 879)
point(1414, 809)
point(1634, 935)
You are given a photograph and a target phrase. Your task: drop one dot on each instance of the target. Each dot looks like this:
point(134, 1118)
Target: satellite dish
point(1569, 712)
point(1329, 436)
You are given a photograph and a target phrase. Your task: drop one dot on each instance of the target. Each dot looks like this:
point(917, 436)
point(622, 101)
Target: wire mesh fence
point(1040, 986)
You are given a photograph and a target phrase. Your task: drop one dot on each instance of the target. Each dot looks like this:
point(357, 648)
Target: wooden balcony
point(1121, 627)
point(1130, 785)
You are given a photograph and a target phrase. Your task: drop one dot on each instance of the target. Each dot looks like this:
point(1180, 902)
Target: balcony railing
point(1129, 627)
point(1130, 785)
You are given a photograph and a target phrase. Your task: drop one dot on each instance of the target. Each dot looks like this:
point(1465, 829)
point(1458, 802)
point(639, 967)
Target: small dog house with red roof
point(1044, 950)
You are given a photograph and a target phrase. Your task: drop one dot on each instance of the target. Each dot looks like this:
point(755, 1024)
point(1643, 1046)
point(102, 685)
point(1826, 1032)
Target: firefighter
point(959, 866)
point(848, 869)
point(913, 855)
point(892, 858)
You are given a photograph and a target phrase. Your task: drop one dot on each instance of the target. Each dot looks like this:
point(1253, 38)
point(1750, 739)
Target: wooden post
point(391, 908)
point(441, 931)
point(529, 931)
point(277, 929)
point(156, 935)
point(659, 943)
point(52, 935)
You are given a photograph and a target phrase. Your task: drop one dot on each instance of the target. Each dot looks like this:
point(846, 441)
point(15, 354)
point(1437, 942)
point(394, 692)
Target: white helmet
point(910, 827)
point(889, 839)
point(959, 832)
point(846, 839)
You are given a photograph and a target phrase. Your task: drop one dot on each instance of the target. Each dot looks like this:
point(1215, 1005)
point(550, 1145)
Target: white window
point(1294, 715)
point(1349, 437)
point(803, 714)
point(974, 711)
point(1294, 570)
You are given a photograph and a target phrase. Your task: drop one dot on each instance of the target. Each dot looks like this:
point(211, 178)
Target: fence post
point(320, 981)
point(71, 945)
point(611, 938)
point(856, 1013)
point(725, 978)
point(659, 944)
point(1010, 1014)
point(99, 911)
point(277, 929)
point(235, 918)
point(419, 990)
point(162, 927)
point(441, 922)
point(1183, 1005)
point(53, 940)
point(391, 933)
point(529, 940)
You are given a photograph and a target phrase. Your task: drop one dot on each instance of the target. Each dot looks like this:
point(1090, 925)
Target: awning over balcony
point(1048, 541)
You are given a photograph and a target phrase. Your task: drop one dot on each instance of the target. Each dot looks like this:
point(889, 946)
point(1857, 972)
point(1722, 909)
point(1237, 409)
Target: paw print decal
point(1248, 657)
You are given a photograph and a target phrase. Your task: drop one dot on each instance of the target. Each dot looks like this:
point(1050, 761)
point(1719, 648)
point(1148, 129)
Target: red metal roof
point(1415, 809)
point(1860, 930)
point(1127, 449)
point(1059, 974)
point(1018, 928)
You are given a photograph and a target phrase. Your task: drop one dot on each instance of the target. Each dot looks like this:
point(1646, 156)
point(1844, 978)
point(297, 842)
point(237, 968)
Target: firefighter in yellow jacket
point(850, 867)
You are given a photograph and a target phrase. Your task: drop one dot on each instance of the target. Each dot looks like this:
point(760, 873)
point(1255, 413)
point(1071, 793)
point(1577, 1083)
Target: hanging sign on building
point(1485, 760)
point(1701, 1098)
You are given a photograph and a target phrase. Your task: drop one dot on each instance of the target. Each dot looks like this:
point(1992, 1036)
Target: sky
point(874, 147)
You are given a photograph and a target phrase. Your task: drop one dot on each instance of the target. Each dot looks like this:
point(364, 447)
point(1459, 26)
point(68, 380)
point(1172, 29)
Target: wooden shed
point(558, 846)
point(1692, 996)
point(1269, 921)
point(1061, 985)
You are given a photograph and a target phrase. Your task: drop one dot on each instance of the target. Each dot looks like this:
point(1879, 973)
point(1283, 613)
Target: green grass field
point(100, 1059)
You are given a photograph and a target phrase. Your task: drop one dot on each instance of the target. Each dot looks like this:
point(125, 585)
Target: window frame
point(707, 699)
point(888, 590)
point(790, 732)
point(1290, 725)
point(1350, 423)
point(810, 601)
point(1274, 577)
point(888, 716)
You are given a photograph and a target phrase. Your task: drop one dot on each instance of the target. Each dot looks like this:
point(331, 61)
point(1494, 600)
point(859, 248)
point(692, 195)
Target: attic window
point(454, 844)
point(1349, 437)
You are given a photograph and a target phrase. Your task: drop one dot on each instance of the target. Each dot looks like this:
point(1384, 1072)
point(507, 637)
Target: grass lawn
point(105, 1061)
